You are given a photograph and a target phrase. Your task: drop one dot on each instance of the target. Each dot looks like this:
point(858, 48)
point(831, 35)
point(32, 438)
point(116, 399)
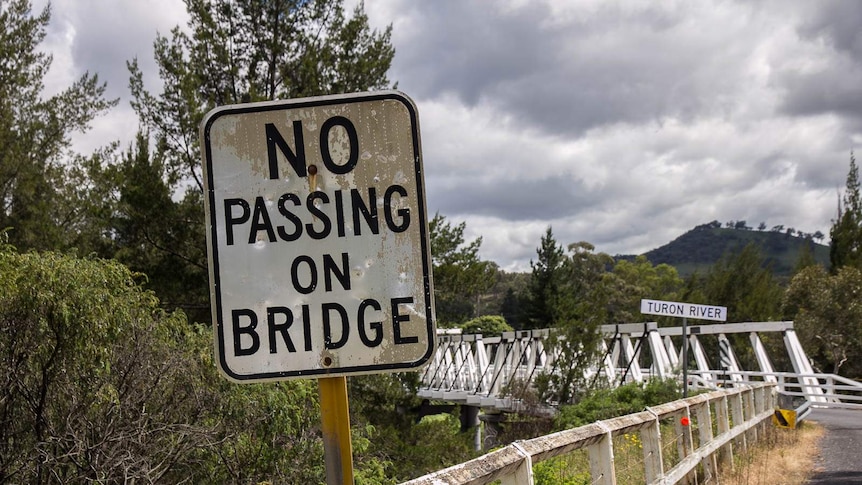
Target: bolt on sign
point(317, 236)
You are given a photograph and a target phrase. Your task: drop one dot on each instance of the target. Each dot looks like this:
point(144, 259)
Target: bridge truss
point(499, 372)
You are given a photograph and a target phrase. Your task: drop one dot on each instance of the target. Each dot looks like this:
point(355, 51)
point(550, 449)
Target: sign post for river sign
point(684, 311)
point(318, 243)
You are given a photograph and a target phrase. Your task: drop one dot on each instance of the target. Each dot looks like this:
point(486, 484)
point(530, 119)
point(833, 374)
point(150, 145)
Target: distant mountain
point(700, 248)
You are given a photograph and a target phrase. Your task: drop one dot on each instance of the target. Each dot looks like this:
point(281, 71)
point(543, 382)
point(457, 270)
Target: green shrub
point(610, 403)
point(487, 325)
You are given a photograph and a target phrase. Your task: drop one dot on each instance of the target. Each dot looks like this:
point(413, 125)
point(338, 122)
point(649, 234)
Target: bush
point(610, 403)
point(487, 325)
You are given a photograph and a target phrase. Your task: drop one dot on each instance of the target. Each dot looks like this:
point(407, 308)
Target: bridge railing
point(724, 419)
point(821, 390)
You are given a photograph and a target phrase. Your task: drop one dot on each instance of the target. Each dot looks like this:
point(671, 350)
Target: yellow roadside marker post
point(335, 417)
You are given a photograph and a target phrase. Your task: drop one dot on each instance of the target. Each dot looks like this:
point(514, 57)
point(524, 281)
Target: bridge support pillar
point(470, 420)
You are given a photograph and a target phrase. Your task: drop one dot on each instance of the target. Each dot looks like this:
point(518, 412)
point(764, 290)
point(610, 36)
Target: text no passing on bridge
point(317, 237)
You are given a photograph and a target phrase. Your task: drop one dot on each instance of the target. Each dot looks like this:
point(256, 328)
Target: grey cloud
point(511, 199)
point(569, 75)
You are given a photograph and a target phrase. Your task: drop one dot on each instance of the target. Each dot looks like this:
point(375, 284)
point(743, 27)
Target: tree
point(828, 317)
point(761, 226)
point(460, 276)
point(631, 281)
point(37, 192)
point(567, 294)
point(102, 385)
point(86, 352)
point(511, 308)
point(845, 249)
point(742, 282)
point(581, 309)
point(236, 51)
point(546, 291)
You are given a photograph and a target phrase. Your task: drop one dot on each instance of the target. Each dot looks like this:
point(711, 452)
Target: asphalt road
point(840, 461)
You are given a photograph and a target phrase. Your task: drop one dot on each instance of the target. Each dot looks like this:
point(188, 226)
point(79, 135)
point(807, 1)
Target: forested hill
point(701, 247)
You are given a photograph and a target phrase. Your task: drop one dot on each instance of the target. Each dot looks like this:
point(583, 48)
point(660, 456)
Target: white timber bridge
point(497, 373)
point(688, 441)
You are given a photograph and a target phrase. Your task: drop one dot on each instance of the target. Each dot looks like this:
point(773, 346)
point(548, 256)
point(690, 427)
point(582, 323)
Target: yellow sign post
point(335, 417)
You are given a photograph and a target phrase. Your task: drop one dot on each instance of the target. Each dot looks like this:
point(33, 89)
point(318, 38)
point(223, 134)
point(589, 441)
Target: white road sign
point(688, 310)
point(318, 243)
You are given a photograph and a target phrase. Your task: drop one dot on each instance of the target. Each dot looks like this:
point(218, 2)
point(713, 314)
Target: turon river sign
point(684, 310)
point(317, 236)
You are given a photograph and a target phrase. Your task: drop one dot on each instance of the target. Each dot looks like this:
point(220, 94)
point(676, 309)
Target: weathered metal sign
point(318, 243)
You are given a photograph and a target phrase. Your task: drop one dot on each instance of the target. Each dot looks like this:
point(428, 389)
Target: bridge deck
point(840, 448)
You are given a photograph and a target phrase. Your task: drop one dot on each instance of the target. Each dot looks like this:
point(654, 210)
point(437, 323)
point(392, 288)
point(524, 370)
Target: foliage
point(845, 248)
point(609, 403)
point(631, 281)
point(569, 293)
point(487, 326)
point(232, 51)
point(827, 314)
point(100, 384)
point(741, 282)
point(459, 275)
point(38, 197)
point(547, 300)
point(103, 385)
point(403, 446)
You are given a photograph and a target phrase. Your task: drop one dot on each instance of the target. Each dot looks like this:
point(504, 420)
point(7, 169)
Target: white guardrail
point(820, 390)
point(722, 419)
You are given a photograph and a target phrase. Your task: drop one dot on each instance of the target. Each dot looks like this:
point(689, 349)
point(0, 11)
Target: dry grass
point(784, 457)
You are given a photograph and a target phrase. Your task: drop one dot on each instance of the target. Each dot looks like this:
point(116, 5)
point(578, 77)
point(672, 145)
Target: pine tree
point(37, 192)
point(546, 289)
point(845, 249)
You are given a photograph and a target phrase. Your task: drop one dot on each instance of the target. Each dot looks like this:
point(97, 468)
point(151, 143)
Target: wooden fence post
point(524, 473)
point(651, 439)
point(722, 419)
point(602, 459)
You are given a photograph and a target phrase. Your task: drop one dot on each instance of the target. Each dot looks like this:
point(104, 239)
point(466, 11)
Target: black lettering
point(260, 221)
point(318, 215)
point(296, 160)
point(404, 213)
point(377, 327)
point(294, 274)
point(306, 327)
point(352, 158)
point(239, 330)
point(331, 269)
point(398, 319)
point(281, 328)
point(231, 221)
point(339, 213)
point(368, 213)
point(327, 326)
point(297, 223)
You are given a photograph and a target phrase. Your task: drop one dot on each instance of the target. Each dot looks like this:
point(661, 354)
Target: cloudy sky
point(623, 124)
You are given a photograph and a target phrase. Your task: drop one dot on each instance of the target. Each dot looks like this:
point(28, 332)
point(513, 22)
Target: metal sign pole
point(684, 358)
point(335, 418)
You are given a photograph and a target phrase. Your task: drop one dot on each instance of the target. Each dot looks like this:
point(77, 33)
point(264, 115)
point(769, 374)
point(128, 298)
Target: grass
point(784, 457)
